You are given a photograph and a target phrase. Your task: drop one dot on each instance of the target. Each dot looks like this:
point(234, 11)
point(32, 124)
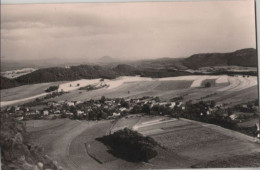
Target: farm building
point(45, 113)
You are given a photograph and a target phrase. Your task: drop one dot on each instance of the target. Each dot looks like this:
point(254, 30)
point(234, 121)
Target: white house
point(172, 105)
point(233, 116)
point(19, 118)
point(45, 113)
point(69, 113)
point(70, 103)
point(122, 109)
point(79, 112)
point(116, 114)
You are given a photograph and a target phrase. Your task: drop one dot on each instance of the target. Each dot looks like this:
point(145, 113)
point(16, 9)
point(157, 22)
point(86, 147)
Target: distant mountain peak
point(108, 59)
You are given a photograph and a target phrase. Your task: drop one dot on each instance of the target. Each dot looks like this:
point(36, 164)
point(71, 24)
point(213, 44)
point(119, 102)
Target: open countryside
point(70, 140)
point(126, 86)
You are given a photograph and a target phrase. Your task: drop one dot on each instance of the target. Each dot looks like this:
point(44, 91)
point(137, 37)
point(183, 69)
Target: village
point(106, 108)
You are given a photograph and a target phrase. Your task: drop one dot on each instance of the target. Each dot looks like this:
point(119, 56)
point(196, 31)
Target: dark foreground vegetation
point(18, 152)
point(130, 145)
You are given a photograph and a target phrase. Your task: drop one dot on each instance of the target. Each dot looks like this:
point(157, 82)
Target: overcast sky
point(126, 30)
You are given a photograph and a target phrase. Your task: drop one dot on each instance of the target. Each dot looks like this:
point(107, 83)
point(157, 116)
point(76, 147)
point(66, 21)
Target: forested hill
point(165, 67)
point(85, 72)
point(245, 58)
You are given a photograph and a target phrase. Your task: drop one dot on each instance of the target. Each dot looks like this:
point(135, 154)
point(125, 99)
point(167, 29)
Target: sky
point(131, 31)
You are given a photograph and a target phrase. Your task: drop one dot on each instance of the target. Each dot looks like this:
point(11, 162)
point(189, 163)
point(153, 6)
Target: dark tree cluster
point(130, 145)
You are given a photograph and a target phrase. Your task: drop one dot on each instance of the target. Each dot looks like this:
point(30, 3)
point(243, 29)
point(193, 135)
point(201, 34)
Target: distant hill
point(245, 58)
point(62, 74)
point(124, 68)
point(164, 67)
point(107, 60)
point(8, 83)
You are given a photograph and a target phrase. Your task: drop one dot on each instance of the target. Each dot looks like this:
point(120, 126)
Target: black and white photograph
point(129, 85)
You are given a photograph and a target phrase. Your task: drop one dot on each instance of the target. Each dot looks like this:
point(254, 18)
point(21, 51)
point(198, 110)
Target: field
point(25, 91)
point(229, 89)
point(73, 143)
point(197, 141)
point(186, 143)
point(17, 73)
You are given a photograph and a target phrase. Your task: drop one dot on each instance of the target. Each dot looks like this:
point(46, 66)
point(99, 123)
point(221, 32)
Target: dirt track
point(60, 142)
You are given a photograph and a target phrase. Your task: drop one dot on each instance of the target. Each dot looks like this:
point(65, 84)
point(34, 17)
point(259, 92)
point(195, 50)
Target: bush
point(52, 88)
point(18, 151)
point(207, 85)
point(130, 145)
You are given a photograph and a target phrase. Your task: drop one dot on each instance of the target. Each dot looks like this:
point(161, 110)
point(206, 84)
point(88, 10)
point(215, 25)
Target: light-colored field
point(167, 88)
point(25, 91)
point(17, 73)
point(192, 87)
point(73, 85)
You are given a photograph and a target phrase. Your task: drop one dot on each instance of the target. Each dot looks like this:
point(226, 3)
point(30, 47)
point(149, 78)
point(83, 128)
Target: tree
point(136, 109)
point(146, 109)
point(157, 99)
point(52, 88)
point(212, 104)
point(103, 99)
point(123, 103)
point(207, 85)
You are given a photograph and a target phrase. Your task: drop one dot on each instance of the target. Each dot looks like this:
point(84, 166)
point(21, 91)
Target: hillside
point(245, 58)
point(163, 67)
point(18, 151)
point(61, 74)
point(8, 83)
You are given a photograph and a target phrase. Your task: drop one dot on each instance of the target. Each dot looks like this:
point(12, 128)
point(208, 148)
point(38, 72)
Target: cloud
point(129, 30)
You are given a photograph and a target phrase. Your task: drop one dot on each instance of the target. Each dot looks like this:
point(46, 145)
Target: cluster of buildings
point(92, 109)
point(106, 108)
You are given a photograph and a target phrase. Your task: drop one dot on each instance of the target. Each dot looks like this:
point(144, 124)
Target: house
point(172, 105)
point(179, 105)
point(69, 114)
point(116, 114)
point(122, 109)
point(19, 118)
point(17, 108)
point(45, 113)
point(79, 112)
point(70, 103)
point(162, 103)
point(233, 116)
point(78, 102)
point(57, 112)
